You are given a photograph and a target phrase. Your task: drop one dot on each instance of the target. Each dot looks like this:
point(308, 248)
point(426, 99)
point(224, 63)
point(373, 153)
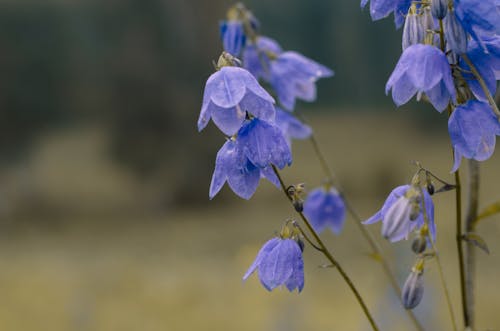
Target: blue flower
point(243, 176)
point(264, 144)
point(229, 94)
point(257, 56)
point(291, 127)
point(293, 76)
point(473, 128)
point(413, 30)
point(422, 69)
point(325, 208)
point(233, 36)
point(487, 64)
point(279, 262)
point(403, 211)
point(455, 34)
point(382, 8)
point(478, 18)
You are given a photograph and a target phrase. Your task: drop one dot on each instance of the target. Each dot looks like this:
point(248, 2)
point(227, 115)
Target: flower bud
point(427, 26)
point(413, 289)
point(455, 33)
point(419, 245)
point(413, 32)
point(439, 8)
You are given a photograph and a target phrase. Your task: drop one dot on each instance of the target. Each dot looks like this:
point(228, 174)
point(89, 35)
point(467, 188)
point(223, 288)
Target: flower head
point(403, 211)
point(473, 128)
point(293, 76)
point(325, 208)
point(257, 56)
point(422, 69)
point(279, 262)
point(229, 94)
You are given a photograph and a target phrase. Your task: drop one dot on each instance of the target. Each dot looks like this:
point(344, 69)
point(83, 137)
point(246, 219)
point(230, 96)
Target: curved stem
point(376, 250)
point(330, 257)
point(483, 85)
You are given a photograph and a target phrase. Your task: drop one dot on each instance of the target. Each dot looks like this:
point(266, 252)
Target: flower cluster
point(451, 55)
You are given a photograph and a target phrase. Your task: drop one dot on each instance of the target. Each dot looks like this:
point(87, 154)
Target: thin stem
point(470, 261)
point(329, 256)
point(376, 250)
point(483, 84)
point(443, 284)
point(459, 235)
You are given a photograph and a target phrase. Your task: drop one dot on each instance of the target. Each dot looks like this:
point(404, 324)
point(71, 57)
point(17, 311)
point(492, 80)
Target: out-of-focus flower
point(325, 208)
point(291, 127)
point(473, 128)
point(479, 18)
point(439, 8)
point(455, 34)
point(383, 8)
point(422, 69)
point(279, 262)
point(413, 289)
point(257, 56)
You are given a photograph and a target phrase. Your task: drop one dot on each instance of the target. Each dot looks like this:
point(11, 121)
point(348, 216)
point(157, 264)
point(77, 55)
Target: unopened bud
point(298, 205)
point(455, 33)
point(413, 32)
point(439, 8)
point(413, 289)
point(419, 245)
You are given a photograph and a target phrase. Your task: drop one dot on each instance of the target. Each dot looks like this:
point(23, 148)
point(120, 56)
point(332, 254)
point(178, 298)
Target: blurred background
point(105, 222)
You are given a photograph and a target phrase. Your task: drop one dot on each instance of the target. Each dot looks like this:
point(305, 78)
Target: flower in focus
point(279, 262)
point(229, 94)
point(291, 127)
point(293, 76)
point(422, 69)
point(233, 36)
point(264, 144)
point(325, 208)
point(243, 176)
point(473, 128)
point(402, 212)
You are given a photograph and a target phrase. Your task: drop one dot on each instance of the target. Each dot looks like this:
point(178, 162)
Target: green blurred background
point(105, 222)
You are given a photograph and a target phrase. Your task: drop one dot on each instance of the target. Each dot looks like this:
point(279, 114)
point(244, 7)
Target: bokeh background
point(105, 222)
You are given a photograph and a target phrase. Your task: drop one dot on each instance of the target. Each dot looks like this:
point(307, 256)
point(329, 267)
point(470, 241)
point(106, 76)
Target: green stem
point(459, 236)
point(376, 250)
point(330, 257)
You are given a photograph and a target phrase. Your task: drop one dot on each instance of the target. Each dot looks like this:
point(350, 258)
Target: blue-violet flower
point(257, 56)
point(291, 127)
point(325, 208)
point(233, 36)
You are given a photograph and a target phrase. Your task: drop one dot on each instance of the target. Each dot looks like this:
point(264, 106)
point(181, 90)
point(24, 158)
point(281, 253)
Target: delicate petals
point(264, 251)
point(233, 36)
point(325, 209)
point(228, 120)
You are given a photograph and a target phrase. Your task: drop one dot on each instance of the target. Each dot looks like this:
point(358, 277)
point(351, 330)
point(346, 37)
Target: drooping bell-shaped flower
point(279, 262)
point(293, 76)
point(291, 127)
point(455, 34)
point(325, 209)
point(257, 56)
point(233, 167)
point(473, 128)
point(229, 94)
point(403, 211)
point(422, 69)
point(264, 144)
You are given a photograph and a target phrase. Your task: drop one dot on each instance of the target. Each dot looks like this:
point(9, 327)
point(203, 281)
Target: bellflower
point(291, 127)
point(402, 212)
point(325, 208)
point(264, 144)
point(455, 33)
point(243, 176)
point(422, 69)
point(293, 76)
point(279, 262)
point(478, 17)
point(473, 128)
point(257, 56)
point(229, 94)
point(382, 8)
point(413, 30)
point(233, 36)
